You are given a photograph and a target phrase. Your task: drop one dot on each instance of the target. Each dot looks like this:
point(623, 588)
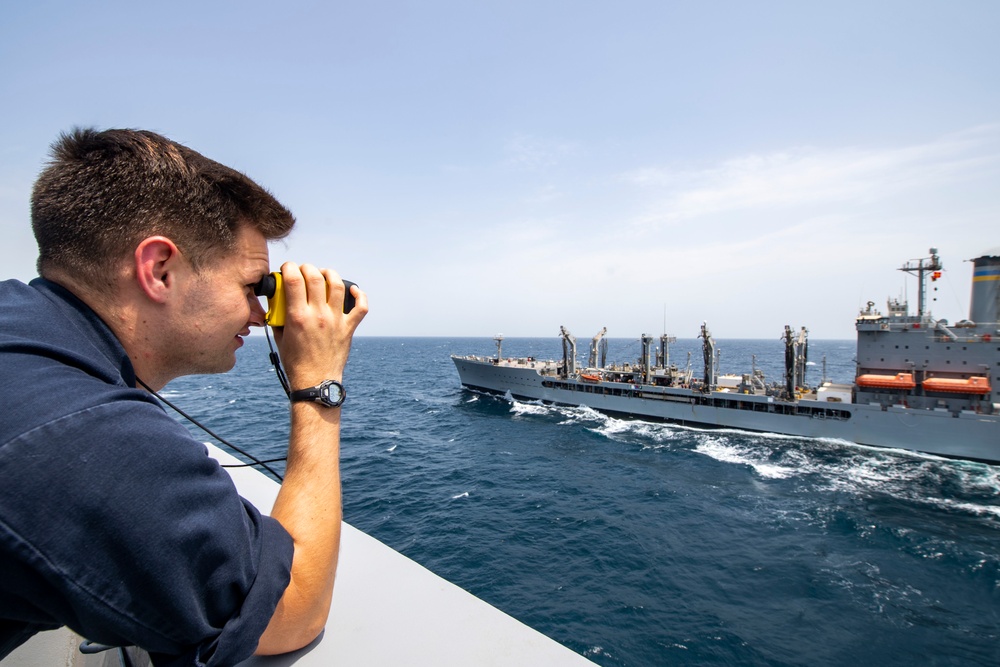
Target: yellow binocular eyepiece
point(271, 286)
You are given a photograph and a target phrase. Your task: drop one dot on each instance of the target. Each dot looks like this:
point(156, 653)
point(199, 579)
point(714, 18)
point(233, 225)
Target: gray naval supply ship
point(921, 384)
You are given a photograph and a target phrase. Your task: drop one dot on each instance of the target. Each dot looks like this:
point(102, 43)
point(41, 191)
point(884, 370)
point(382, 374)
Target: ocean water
point(638, 543)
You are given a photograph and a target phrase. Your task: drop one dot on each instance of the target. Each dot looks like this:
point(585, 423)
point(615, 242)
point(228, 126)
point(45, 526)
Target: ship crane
point(801, 357)
point(598, 347)
point(665, 341)
point(647, 352)
point(796, 357)
point(569, 352)
point(708, 348)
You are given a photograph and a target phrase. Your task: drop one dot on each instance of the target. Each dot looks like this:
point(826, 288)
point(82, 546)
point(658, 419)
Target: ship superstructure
point(921, 384)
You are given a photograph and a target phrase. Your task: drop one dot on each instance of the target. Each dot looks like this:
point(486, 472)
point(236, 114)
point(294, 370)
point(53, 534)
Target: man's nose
point(258, 316)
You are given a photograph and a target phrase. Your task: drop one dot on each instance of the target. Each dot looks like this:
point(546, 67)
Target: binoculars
point(272, 287)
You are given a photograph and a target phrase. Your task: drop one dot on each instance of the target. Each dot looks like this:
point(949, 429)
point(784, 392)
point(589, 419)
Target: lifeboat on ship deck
point(973, 385)
point(897, 381)
point(586, 377)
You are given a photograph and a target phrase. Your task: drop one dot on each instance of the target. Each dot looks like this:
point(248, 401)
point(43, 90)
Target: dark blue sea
point(638, 543)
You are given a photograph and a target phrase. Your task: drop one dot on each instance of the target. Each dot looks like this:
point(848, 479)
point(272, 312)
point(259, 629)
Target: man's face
point(219, 307)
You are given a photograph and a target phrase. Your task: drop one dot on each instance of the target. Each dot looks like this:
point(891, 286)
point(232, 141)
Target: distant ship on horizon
point(920, 383)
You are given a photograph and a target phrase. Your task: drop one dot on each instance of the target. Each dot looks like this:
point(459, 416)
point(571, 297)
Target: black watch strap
point(329, 393)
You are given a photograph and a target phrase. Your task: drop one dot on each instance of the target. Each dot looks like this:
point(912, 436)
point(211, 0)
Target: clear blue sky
point(485, 167)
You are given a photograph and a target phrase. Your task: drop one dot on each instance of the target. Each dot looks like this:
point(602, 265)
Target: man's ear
point(157, 260)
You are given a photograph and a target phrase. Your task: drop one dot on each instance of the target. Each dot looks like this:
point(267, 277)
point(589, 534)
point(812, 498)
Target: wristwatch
point(329, 394)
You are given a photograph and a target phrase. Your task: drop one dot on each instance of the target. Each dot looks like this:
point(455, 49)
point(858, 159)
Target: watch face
point(333, 392)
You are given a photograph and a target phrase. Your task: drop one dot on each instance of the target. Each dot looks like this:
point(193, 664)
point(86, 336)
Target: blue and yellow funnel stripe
point(986, 273)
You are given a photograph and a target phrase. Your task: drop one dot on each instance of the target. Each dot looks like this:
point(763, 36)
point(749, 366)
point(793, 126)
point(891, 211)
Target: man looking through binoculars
point(113, 519)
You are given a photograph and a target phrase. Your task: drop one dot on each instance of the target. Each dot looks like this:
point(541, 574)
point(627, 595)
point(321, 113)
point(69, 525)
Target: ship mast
point(930, 265)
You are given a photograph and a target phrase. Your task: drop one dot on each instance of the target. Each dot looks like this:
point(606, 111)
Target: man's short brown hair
point(103, 192)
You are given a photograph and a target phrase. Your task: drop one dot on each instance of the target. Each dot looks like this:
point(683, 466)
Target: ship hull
point(966, 435)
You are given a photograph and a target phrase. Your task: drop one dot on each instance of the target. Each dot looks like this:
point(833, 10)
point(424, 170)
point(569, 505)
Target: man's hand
point(315, 342)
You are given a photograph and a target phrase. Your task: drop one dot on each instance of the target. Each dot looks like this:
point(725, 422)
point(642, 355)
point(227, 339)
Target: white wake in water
point(832, 464)
point(721, 449)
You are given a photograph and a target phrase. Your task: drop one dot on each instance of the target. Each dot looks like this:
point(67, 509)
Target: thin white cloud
point(786, 207)
point(745, 243)
point(811, 176)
